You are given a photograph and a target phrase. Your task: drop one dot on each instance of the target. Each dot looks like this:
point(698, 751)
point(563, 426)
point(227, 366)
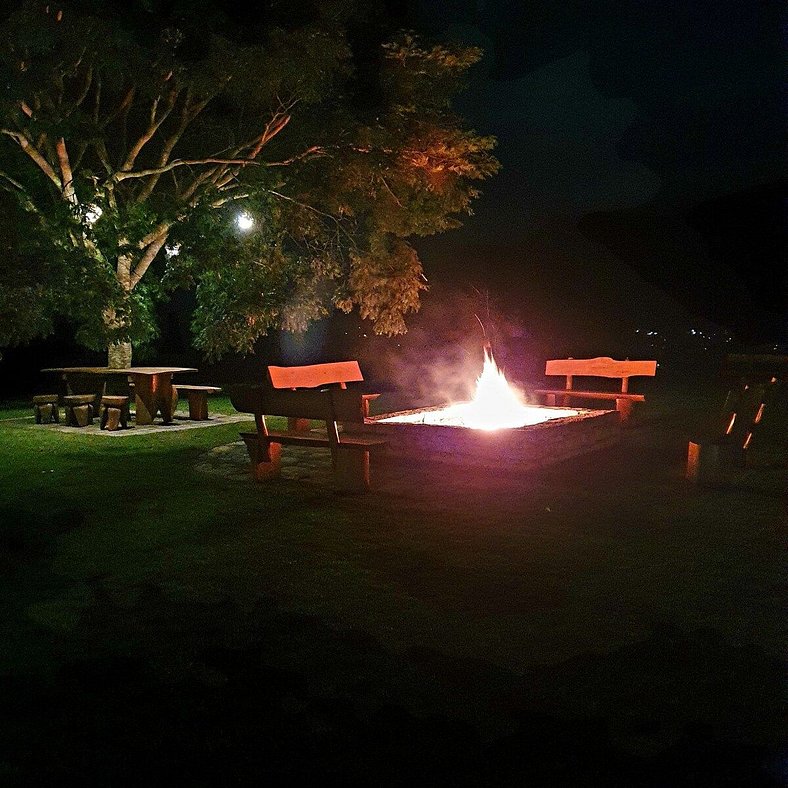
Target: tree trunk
point(119, 355)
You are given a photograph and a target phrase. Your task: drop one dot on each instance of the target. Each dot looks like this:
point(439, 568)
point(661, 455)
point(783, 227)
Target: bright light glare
point(172, 251)
point(244, 221)
point(93, 213)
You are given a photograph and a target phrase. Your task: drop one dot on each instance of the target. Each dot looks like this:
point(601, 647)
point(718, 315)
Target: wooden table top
point(125, 371)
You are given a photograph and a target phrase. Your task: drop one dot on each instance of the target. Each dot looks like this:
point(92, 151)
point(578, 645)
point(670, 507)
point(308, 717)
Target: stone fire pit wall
point(522, 448)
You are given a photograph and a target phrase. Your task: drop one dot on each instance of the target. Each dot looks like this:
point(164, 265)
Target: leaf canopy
point(134, 134)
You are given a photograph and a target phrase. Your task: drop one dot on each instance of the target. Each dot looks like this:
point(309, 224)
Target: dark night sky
point(642, 186)
point(643, 158)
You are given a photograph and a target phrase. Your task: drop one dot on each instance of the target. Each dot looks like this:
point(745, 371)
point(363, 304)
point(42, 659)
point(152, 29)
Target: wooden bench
point(302, 394)
point(603, 367)
point(198, 399)
point(753, 382)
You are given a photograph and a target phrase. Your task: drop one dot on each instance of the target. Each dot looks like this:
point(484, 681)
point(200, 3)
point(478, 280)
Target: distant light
point(244, 222)
point(93, 213)
point(172, 251)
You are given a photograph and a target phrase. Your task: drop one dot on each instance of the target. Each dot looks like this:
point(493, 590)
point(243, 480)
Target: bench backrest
point(603, 367)
point(315, 375)
point(319, 404)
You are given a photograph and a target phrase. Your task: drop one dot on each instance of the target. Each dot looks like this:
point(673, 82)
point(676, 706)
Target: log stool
point(79, 409)
point(45, 408)
point(114, 412)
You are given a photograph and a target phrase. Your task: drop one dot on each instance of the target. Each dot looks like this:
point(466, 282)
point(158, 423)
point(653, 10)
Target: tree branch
point(278, 121)
point(123, 175)
point(189, 192)
point(85, 89)
point(147, 258)
point(154, 234)
point(153, 127)
point(13, 182)
point(34, 154)
point(188, 114)
point(65, 170)
point(314, 151)
point(121, 108)
point(230, 198)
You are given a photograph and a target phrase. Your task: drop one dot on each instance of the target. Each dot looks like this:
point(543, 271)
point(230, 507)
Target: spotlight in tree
point(244, 222)
point(93, 214)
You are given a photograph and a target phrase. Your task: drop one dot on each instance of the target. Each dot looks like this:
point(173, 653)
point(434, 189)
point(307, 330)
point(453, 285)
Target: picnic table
point(153, 389)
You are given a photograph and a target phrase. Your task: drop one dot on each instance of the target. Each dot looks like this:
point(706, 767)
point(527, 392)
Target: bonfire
point(496, 405)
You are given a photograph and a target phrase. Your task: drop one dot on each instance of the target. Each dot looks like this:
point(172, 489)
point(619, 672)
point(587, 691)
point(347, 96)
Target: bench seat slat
point(208, 389)
point(593, 394)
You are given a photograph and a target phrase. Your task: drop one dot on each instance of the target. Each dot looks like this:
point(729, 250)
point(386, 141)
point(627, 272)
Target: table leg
point(166, 396)
point(144, 399)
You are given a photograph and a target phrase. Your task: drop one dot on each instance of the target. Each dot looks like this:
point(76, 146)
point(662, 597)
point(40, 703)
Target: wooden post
point(565, 400)
point(110, 418)
point(703, 461)
point(83, 415)
point(266, 458)
point(198, 405)
point(624, 408)
point(351, 472)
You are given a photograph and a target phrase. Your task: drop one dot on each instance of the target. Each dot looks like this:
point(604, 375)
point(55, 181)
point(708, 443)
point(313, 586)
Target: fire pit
point(496, 428)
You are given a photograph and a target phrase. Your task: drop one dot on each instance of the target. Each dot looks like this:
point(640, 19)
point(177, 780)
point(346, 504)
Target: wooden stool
point(114, 412)
point(79, 409)
point(45, 408)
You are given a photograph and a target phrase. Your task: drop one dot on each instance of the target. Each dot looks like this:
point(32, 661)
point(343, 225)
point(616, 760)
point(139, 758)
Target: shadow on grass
point(296, 699)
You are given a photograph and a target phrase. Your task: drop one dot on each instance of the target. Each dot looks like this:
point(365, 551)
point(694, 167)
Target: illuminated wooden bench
point(725, 443)
point(311, 393)
point(602, 367)
point(198, 399)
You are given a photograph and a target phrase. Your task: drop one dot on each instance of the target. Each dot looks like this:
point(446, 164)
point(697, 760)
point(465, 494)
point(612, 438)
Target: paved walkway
point(298, 464)
point(182, 422)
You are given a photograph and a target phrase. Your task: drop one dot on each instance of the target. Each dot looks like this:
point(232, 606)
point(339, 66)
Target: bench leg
point(703, 461)
point(82, 415)
point(111, 418)
point(624, 408)
point(351, 471)
point(198, 405)
point(266, 458)
point(46, 414)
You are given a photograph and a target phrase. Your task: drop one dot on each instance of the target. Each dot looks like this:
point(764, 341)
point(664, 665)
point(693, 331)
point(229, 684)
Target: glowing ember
point(495, 406)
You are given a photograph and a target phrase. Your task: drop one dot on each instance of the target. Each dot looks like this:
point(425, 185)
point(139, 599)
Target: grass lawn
point(598, 622)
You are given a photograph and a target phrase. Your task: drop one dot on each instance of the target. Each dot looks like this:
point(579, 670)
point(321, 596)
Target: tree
point(132, 142)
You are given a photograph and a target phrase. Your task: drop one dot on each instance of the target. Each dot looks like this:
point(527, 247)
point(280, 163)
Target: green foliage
point(174, 118)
